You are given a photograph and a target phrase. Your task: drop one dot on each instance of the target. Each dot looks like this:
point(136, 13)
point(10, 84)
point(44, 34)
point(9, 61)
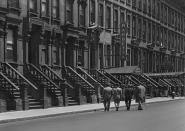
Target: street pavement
point(56, 111)
point(159, 116)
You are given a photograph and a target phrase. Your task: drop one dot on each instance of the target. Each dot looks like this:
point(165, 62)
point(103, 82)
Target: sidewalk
point(6, 117)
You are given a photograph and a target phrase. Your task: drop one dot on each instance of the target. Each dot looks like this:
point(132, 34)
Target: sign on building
point(123, 27)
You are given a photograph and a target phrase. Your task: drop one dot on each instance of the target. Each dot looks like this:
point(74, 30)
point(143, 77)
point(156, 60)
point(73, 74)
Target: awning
point(164, 74)
point(124, 70)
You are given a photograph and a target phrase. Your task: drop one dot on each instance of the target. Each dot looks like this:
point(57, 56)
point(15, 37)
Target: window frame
point(57, 9)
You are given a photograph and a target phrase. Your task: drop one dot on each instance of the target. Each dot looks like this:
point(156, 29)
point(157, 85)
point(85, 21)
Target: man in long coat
point(128, 95)
point(107, 94)
point(140, 96)
point(117, 95)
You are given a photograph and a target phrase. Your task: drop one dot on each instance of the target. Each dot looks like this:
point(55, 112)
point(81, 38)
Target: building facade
point(155, 34)
point(53, 52)
point(56, 33)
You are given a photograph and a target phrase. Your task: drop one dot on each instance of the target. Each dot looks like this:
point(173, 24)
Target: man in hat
point(107, 95)
point(117, 95)
point(128, 95)
point(140, 96)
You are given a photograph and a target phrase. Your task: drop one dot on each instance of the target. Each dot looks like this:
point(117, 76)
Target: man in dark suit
point(128, 96)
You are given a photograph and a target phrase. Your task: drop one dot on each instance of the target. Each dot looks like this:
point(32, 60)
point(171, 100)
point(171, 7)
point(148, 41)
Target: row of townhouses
point(64, 52)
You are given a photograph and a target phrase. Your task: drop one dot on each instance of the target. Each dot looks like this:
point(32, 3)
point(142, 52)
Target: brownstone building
point(51, 50)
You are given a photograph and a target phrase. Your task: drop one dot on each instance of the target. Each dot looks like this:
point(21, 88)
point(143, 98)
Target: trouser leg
point(105, 105)
point(108, 105)
point(129, 103)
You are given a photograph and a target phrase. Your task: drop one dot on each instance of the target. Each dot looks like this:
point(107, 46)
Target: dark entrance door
point(33, 46)
point(69, 54)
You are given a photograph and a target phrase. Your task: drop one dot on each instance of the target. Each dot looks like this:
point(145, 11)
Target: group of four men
point(117, 93)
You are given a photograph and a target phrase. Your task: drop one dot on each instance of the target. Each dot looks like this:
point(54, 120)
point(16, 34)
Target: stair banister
point(21, 76)
point(79, 76)
point(11, 83)
point(43, 75)
point(90, 77)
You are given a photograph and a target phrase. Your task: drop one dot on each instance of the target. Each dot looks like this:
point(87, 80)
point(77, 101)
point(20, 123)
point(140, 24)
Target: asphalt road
point(166, 116)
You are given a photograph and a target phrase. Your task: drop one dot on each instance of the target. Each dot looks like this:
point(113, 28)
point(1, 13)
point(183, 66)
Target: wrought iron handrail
point(79, 78)
point(147, 77)
point(111, 77)
point(97, 74)
point(11, 86)
point(53, 76)
point(164, 83)
point(41, 77)
point(93, 82)
point(14, 74)
point(169, 82)
point(135, 82)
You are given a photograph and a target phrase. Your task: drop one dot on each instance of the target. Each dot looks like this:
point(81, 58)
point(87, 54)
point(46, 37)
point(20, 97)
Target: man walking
point(128, 96)
point(117, 94)
point(140, 96)
point(107, 94)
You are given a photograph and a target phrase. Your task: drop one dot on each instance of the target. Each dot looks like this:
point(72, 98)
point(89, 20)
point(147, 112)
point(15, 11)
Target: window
point(33, 5)
point(92, 12)
point(55, 9)
point(134, 4)
point(108, 17)
point(178, 42)
point(134, 26)
point(153, 8)
point(69, 11)
point(153, 33)
point(165, 15)
point(10, 47)
point(82, 16)
point(128, 24)
point(55, 54)
point(184, 25)
point(158, 9)
point(139, 4)
point(162, 37)
point(165, 37)
point(128, 57)
point(144, 6)
point(169, 16)
point(116, 20)
point(101, 14)
point(13, 3)
point(173, 40)
point(144, 30)
point(129, 2)
point(184, 44)
point(122, 17)
point(44, 8)
point(149, 31)
point(158, 34)
point(173, 18)
point(149, 7)
point(108, 56)
point(169, 40)
point(139, 28)
point(81, 53)
point(181, 44)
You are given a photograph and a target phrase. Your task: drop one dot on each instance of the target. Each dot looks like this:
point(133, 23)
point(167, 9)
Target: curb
point(77, 112)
